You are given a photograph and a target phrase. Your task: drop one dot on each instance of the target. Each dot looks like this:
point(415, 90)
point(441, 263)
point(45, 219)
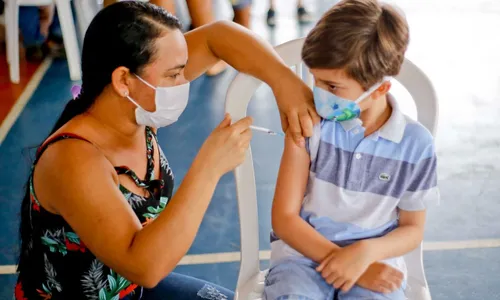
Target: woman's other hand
point(296, 105)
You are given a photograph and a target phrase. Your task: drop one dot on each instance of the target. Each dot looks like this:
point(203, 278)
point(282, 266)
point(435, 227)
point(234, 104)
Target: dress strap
point(55, 139)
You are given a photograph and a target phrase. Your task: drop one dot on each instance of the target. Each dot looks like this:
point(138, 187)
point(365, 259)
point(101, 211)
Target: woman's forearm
point(173, 232)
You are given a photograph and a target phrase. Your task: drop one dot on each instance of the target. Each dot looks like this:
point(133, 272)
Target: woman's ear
point(121, 81)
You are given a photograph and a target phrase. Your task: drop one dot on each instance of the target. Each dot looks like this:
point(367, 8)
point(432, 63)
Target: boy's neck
point(376, 116)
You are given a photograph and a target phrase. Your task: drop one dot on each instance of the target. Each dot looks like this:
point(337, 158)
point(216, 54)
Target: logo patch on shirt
point(384, 177)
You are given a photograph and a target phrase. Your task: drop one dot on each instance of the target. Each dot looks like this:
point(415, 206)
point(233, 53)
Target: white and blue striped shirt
point(357, 184)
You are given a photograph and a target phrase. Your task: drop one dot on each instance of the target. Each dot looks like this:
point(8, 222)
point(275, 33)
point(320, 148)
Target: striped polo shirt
point(358, 184)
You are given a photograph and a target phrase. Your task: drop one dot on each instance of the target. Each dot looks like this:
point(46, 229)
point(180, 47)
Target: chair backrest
point(238, 97)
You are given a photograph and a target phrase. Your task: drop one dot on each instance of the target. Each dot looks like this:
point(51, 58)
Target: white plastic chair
point(67, 27)
point(251, 278)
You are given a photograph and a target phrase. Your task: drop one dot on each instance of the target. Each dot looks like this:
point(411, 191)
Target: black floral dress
point(57, 265)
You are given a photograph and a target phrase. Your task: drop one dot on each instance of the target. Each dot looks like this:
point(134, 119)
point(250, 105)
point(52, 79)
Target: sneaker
point(303, 16)
point(35, 53)
point(55, 46)
point(271, 19)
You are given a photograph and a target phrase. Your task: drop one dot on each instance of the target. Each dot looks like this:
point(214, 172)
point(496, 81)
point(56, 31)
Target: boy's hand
point(381, 278)
point(343, 267)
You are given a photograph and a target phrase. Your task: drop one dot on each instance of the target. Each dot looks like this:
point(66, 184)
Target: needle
point(266, 130)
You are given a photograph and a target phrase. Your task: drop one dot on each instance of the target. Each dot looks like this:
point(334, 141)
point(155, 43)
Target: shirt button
point(358, 155)
point(355, 131)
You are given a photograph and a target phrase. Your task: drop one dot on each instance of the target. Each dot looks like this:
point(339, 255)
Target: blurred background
point(453, 41)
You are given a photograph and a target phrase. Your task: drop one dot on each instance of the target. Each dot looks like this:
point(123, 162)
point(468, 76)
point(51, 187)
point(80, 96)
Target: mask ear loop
point(372, 89)
point(145, 82)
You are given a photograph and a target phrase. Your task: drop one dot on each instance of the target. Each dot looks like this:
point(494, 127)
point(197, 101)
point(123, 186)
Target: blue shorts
point(298, 279)
point(240, 4)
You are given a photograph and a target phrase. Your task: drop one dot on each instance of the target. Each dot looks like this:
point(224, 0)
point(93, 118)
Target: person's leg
point(32, 37)
point(181, 287)
point(169, 5)
point(271, 14)
point(201, 13)
point(242, 10)
point(358, 292)
point(29, 26)
point(109, 2)
point(296, 279)
point(303, 15)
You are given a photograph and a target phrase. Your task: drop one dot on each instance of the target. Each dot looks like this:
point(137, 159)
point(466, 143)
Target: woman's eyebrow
point(182, 66)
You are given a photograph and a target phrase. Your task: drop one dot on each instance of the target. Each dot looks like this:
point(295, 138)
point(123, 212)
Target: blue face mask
point(332, 107)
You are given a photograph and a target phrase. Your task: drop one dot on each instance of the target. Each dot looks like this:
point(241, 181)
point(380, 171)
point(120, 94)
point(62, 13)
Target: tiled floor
point(454, 42)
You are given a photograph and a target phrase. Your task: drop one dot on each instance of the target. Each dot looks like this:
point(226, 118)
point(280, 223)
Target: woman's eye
point(174, 76)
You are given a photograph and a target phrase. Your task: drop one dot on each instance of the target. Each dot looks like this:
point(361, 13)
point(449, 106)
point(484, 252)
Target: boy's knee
point(358, 292)
point(294, 280)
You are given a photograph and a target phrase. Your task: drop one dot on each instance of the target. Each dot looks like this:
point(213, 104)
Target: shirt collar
point(351, 124)
point(393, 130)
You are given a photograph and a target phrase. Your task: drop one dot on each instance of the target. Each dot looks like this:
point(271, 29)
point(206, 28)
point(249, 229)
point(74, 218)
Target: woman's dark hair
point(122, 34)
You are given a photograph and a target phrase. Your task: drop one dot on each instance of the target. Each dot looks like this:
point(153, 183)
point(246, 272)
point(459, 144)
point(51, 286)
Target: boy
point(368, 173)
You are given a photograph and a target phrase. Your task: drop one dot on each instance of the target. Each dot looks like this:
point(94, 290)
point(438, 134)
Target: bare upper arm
point(200, 56)
point(292, 179)
point(76, 180)
point(412, 218)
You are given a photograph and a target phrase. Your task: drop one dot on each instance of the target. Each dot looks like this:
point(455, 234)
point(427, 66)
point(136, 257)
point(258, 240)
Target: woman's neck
point(113, 120)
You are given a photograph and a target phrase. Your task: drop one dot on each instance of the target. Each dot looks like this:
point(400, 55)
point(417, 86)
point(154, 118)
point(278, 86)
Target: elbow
point(151, 276)
point(149, 281)
point(281, 224)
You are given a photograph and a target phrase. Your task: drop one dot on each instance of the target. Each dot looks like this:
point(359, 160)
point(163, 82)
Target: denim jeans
point(29, 26)
point(181, 287)
point(298, 279)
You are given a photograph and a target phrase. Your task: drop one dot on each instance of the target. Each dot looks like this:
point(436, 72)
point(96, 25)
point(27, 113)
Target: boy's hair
point(366, 38)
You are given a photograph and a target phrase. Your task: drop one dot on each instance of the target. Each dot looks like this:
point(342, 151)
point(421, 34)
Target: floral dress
point(57, 265)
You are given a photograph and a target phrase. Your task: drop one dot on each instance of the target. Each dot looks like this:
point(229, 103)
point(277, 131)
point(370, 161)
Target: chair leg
point(69, 38)
point(12, 28)
point(80, 16)
point(85, 12)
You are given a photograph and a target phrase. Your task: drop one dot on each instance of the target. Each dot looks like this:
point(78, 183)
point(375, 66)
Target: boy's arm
point(400, 241)
point(422, 191)
point(290, 189)
point(344, 267)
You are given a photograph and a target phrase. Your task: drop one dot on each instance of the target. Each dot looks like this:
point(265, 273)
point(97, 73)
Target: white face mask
point(170, 103)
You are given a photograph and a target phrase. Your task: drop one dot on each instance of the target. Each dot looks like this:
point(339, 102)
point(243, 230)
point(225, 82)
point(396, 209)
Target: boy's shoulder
point(416, 144)
point(417, 133)
point(417, 139)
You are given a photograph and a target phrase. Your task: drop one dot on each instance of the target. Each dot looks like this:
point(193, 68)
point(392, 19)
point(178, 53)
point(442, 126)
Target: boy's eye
point(332, 87)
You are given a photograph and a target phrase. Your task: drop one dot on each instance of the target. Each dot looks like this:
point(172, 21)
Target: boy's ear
point(382, 90)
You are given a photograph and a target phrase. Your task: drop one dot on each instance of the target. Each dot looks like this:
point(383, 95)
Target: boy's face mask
point(332, 107)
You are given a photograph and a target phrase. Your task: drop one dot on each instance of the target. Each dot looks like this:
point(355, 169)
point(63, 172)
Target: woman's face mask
point(170, 103)
point(332, 107)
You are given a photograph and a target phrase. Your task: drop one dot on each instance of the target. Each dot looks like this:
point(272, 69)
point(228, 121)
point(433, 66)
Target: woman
point(98, 219)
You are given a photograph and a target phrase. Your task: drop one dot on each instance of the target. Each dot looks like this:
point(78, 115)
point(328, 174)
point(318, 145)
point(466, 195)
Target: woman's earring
point(125, 94)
